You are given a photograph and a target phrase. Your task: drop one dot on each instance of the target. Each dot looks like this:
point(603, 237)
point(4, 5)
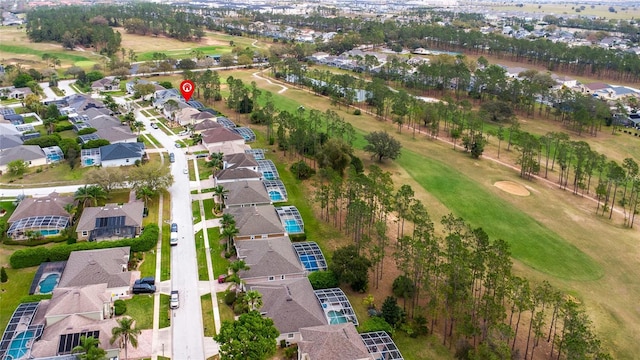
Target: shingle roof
point(340, 341)
point(291, 304)
point(121, 151)
point(237, 174)
point(9, 141)
point(21, 152)
point(52, 204)
point(219, 135)
point(246, 192)
point(239, 160)
point(206, 124)
point(131, 211)
point(270, 257)
point(256, 220)
point(97, 267)
point(77, 300)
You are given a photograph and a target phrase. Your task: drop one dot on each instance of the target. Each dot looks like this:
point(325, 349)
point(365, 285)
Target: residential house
point(100, 266)
point(223, 140)
point(121, 154)
point(202, 116)
point(292, 305)
point(205, 124)
point(269, 260)
point(10, 137)
point(256, 222)
point(82, 102)
point(240, 160)
point(71, 313)
point(31, 154)
point(591, 88)
point(185, 115)
point(112, 129)
point(234, 175)
point(245, 193)
point(130, 85)
point(109, 83)
point(161, 96)
point(110, 222)
point(53, 153)
point(339, 341)
point(565, 81)
point(46, 215)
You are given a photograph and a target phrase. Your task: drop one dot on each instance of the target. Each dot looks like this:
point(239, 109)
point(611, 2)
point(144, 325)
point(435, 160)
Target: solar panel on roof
point(69, 341)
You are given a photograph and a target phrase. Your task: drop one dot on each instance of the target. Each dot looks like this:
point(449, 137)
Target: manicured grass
point(195, 210)
point(152, 206)
point(530, 241)
point(165, 270)
point(226, 312)
point(15, 288)
point(150, 141)
point(201, 253)
point(415, 348)
point(207, 315)
point(204, 172)
point(140, 308)
point(220, 264)
point(148, 266)
point(117, 197)
point(51, 174)
point(165, 320)
point(15, 49)
point(208, 208)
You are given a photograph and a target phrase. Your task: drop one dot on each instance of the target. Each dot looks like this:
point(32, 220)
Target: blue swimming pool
point(309, 262)
point(336, 317)
point(49, 283)
point(18, 347)
point(275, 195)
point(292, 227)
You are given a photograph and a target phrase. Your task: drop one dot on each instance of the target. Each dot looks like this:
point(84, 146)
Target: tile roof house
point(234, 175)
point(219, 137)
point(69, 313)
point(121, 154)
point(292, 305)
point(256, 222)
point(31, 154)
point(83, 102)
point(161, 96)
point(109, 83)
point(269, 260)
point(112, 129)
point(340, 341)
point(110, 222)
point(245, 193)
point(100, 266)
point(185, 115)
point(205, 124)
point(240, 160)
point(36, 214)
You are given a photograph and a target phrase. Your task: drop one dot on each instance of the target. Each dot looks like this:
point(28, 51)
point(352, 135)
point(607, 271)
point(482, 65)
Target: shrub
point(63, 127)
point(119, 307)
point(3, 275)
point(86, 131)
point(357, 112)
point(291, 352)
point(229, 297)
point(302, 170)
point(34, 298)
point(375, 323)
point(323, 280)
point(298, 237)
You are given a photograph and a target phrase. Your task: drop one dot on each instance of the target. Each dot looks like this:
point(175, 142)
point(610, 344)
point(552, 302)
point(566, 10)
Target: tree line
point(459, 283)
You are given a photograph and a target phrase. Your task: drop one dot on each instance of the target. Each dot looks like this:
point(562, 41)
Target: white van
point(174, 238)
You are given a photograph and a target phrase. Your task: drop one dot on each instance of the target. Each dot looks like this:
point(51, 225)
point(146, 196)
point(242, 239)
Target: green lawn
point(226, 313)
point(140, 308)
point(220, 264)
point(201, 253)
point(195, 210)
point(15, 288)
point(207, 315)
point(165, 261)
point(533, 244)
point(51, 174)
point(165, 312)
point(208, 208)
point(204, 172)
point(29, 51)
point(148, 266)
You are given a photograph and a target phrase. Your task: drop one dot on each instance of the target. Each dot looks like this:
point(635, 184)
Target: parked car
point(142, 288)
point(154, 125)
point(178, 145)
point(221, 279)
point(172, 158)
point(173, 240)
point(186, 171)
point(147, 280)
point(174, 303)
point(174, 227)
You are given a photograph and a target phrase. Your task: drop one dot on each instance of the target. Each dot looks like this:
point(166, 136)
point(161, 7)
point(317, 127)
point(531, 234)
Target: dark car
point(174, 227)
point(147, 280)
point(142, 288)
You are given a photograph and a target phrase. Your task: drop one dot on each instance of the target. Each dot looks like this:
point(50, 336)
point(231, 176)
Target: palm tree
point(253, 300)
point(96, 193)
point(234, 278)
point(219, 193)
point(82, 195)
point(216, 162)
point(196, 139)
point(88, 349)
point(230, 231)
point(71, 208)
point(125, 333)
point(226, 220)
point(138, 125)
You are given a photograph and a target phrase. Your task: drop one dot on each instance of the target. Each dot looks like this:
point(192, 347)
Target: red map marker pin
point(186, 88)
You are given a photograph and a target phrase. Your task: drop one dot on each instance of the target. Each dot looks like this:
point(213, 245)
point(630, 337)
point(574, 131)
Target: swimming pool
point(18, 347)
point(336, 317)
point(292, 227)
point(275, 195)
point(309, 262)
point(49, 283)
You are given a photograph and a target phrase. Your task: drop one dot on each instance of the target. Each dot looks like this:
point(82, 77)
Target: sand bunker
point(512, 188)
